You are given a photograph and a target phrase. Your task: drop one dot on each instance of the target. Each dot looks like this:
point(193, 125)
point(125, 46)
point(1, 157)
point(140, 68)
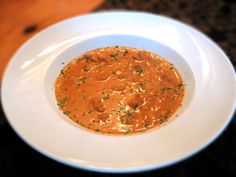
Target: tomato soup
point(119, 90)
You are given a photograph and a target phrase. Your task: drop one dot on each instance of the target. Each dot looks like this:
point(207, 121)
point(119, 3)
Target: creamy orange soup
point(119, 90)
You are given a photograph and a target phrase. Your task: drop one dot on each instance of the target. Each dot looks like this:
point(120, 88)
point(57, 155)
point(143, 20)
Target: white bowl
point(30, 106)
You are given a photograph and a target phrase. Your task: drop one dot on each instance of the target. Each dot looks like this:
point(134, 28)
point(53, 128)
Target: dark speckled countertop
point(215, 18)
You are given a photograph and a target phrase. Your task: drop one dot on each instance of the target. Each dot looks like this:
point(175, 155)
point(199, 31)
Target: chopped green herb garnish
point(138, 70)
point(146, 124)
point(142, 83)
point(163, 118)
point(81, 80)
point(175, 91)
point(86, 113)
point(67, 112)
point(140, 91)
point(131, 90)
point(119, 109)
point(62, 72)
point(173, 98)
point(136, 107)
point(128, 113)
point(61, 104)
point(115, 56)
point(165, 89)
point(125, 52)
point(65, 99)
point(180, 85)
point(105, 98)
point(127, 131)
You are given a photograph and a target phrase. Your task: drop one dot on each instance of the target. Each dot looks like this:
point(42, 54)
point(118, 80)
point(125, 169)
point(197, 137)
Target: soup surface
point(119, 90)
